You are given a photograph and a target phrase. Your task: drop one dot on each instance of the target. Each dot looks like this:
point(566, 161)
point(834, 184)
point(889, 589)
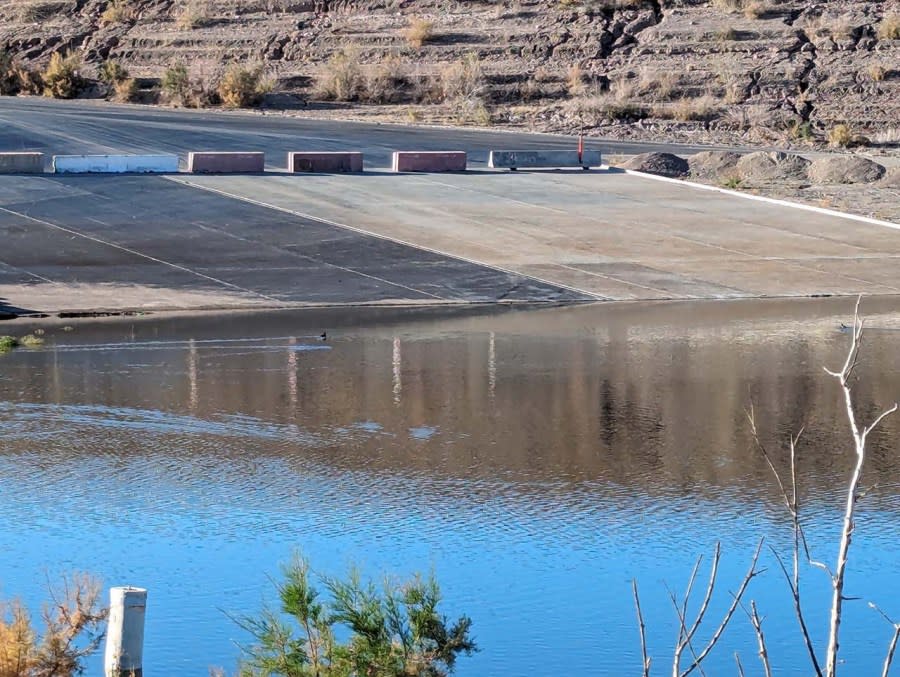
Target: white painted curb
point(760, 198)
point(115, 164)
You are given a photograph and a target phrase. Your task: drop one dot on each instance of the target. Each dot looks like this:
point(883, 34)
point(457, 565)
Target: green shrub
point(112, 72)
point(61, 77)
point(391, 631)
point(176, 84)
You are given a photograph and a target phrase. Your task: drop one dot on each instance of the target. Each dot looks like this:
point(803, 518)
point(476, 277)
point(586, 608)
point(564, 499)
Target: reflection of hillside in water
point(623, 400)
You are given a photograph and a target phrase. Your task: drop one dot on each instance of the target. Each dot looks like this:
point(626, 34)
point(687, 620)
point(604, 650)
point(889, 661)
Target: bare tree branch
point(859, 439)
point(756, 622)
point(892, 647)
point(737, 659)
point(736, 599)
point(640, 616)
point(792, 502)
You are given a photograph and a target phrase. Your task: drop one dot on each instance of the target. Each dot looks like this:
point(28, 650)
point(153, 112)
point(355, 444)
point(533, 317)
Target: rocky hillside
point(735, 71)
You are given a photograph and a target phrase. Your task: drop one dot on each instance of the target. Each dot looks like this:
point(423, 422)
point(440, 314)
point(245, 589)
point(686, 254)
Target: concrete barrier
point(226, 163)
point(429, 161)
point(325, 162)
point(21, 163)
point(115, 164)
point(535, 159)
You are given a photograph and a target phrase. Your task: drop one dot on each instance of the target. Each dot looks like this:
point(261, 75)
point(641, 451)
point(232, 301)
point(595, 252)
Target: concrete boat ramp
point(71, 243)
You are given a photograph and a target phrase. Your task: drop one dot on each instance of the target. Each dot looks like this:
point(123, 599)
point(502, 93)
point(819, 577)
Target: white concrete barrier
point(537, 159)
point(124, 653)
point(115, 164)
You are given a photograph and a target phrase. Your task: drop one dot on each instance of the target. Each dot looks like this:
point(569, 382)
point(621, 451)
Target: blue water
point(537, 461)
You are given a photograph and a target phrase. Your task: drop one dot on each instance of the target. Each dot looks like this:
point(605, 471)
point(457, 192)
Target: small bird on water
point(323, 336)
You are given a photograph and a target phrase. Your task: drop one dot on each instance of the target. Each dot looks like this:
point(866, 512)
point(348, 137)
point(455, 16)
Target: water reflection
point(538, 459)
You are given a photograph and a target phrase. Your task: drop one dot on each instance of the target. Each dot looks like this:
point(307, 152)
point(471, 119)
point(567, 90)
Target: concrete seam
point(331, 265)
point(137, 253)
point(354, 229)
point(770, 200)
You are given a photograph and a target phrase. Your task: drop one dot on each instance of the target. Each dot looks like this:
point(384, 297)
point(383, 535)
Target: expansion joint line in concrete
point(336, 224)
point(134, 252)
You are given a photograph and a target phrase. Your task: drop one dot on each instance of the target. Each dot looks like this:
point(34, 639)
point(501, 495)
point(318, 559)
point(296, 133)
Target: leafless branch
point(756, 622)
point(736, 600)
point(792, 502)
point(737, 659)
point(892, 647)
point(640, 616)
point(859, 439)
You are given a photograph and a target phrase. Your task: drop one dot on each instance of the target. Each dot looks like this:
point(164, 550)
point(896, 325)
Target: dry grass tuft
point(889, 27)
point(388, 81)
point(193, 14)
point(61, 77)
point(43, 10)
point(840, 26)
point(699, 108)
point(419, 31)
point(877, 71)
point(463, 79)
point(117, 12)
point(840, 136)
point(342, 78)
point(657, 85)
point(575, 84)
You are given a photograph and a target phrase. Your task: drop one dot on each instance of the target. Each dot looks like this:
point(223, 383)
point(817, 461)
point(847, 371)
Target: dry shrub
point(657, 85)
point(593, 109)
point(419, 31)
point(193, 14)
point(756, 9)
point(387, 81)
point(463, 79)
point(840, 136)
point(73, 629)
point(241, 87)
point(472, 112)
point(342, 78)
point(9, 81)
point(30, 82)
point(61, 77)
point(575, 80)
point(125, 90)
point(17, 640)
point(889, 27)
point(727, 34)
point(839, 26)
point(33, 12)
point(700, 108)
point(877, 71)
point(117, 12)
point(111, 72)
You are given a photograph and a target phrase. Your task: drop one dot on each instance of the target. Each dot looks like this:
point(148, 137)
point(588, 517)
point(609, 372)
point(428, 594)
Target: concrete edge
point(760, 198)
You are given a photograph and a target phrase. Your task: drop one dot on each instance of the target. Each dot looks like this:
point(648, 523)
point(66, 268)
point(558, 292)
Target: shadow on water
point(537, 458)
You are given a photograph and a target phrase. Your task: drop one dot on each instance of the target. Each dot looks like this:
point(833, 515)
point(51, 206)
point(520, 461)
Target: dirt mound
point(767, 167)
point(663, 164)
point(714, 165)
point(844, 169)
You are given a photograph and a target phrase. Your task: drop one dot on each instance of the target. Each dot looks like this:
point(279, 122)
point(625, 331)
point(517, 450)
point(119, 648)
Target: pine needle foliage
point(391, 630)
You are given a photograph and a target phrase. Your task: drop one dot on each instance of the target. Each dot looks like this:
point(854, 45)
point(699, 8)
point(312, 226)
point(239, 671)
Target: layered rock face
point(748, 71)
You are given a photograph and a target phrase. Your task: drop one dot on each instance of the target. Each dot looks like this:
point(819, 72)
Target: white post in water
point(125, 632)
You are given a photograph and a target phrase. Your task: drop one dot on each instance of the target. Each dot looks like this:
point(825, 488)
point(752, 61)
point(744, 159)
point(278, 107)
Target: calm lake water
point(537, 460)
